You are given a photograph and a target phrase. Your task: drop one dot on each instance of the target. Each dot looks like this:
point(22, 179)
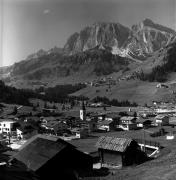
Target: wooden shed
point(49, 156)
point(118, 152)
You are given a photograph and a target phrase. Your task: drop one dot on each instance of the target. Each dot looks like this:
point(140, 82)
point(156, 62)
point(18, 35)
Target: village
point(93, 135)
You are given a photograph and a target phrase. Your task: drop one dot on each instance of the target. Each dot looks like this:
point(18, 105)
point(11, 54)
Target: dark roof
point(17, 171)
point(105, 122)
point(113, 115)
point(113, 143)
point(39, 149)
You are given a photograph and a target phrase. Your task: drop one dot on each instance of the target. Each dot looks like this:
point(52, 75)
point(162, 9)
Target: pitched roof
point(113, 143)
point(127, 118)
point(39, 149)
point(105, 123)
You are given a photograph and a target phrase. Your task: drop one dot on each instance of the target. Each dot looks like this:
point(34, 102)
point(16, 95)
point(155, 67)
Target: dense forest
point(59, 94)
point(13, 95)
point(114, 102)
point(98, 61)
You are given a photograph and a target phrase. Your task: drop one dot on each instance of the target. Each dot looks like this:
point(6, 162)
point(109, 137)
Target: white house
point(7, 126)
point(19, 133)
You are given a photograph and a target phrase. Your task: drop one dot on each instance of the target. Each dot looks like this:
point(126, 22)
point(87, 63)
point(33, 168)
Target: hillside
point(57, 68)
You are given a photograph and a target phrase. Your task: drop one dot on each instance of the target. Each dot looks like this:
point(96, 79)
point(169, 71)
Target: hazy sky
point(30, 25)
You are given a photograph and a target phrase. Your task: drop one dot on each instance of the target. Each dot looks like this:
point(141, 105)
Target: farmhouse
point(128, 123)
point(7, 126)
point(49, 156)
point(161, 120)
point(118, 152)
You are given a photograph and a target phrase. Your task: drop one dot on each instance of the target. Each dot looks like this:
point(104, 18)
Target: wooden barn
point(49, 156)
point(118, 152)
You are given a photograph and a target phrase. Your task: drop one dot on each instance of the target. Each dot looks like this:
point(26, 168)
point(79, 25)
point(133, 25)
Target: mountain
point(99, 34)
point(148, 37)
point(138, 42)
point(101, 49)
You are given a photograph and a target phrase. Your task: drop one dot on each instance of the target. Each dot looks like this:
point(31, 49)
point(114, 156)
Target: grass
point(133, 91)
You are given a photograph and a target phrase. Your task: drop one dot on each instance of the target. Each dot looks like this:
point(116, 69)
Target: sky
point(27, 26)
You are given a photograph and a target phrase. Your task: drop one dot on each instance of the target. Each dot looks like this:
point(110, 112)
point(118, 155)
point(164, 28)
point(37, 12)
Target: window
point(0, 129)
point(4, 125)
point(0, 124)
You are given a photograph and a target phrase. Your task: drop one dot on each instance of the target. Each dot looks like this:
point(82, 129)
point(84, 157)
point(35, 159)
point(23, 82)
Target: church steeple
point(83, 111)
point(83, 106)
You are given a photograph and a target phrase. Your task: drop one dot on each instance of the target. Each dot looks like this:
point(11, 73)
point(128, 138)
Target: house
point(144, 122)
point(118, 152)
point(50, 156)
point(7, 126)
point(112, 117)
point(80, 132)
point(162, 86)
point(161, 120)
point(25, 132)
point(128, 123)
point(106, 125)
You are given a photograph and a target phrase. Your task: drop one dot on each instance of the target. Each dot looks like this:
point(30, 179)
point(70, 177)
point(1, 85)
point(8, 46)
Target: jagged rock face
point(99, 34)
point(149, 37)
point(138, 42)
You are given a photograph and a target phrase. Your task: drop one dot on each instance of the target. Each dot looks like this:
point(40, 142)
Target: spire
point(83, 106)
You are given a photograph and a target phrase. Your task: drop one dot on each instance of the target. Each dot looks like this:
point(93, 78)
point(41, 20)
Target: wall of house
point(111, 157)
point(6, 127)
point(132, 126)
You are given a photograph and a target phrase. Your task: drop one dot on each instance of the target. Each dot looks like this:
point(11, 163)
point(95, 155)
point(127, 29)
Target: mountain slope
point(55, 66)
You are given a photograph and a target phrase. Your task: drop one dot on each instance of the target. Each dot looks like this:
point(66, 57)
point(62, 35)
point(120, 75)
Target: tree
point(54, 106)
point(45, 105)
point(135, 114)
point(15, 110)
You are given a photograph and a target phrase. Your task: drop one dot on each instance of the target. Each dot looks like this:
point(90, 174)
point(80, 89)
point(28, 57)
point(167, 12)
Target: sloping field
point(133, 91)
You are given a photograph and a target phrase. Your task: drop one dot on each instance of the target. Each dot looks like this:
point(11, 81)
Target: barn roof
point(40, 149)
point(113, 143)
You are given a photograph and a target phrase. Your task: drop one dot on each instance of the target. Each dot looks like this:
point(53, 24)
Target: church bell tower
point(83, 112)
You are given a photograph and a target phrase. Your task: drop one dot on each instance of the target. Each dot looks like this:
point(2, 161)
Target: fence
point(148, 142)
